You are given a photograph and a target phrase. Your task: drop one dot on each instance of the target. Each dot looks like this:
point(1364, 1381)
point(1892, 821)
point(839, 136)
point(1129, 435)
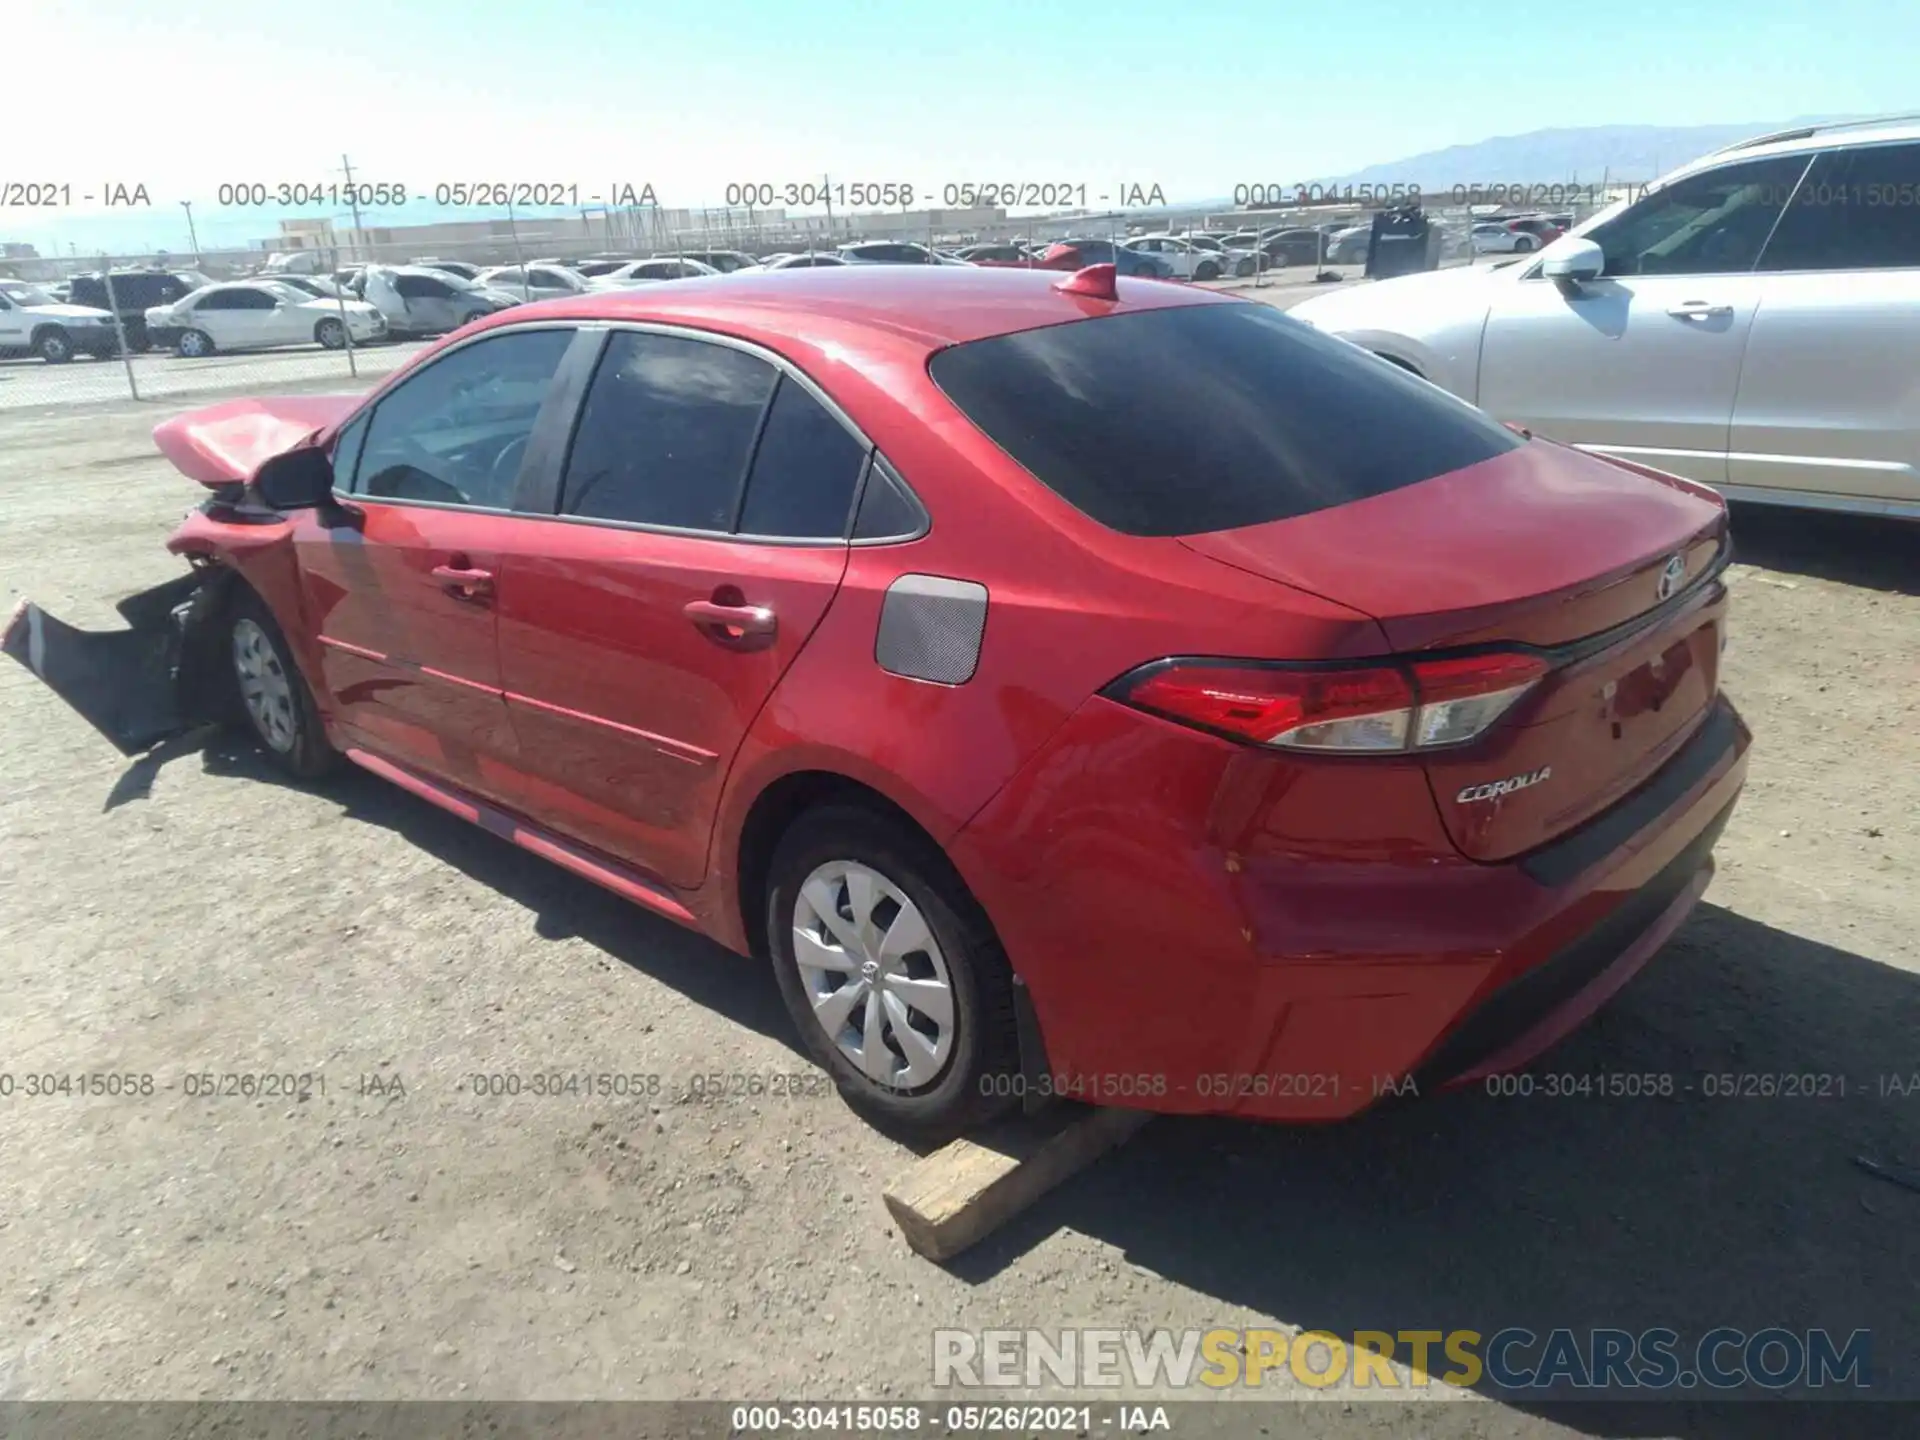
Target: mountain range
point(1587, 154)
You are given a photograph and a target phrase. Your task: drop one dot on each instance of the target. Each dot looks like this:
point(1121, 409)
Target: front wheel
point(53, 345)
point(273, 696)
point(1522, 245)
point(1206, 270)
point(331, 334)
point(193, 344)
point(891, 973)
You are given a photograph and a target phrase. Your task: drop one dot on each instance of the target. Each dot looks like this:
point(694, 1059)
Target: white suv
point(1751, 321)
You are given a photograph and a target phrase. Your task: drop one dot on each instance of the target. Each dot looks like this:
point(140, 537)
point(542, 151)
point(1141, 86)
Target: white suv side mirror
point(1572, 258)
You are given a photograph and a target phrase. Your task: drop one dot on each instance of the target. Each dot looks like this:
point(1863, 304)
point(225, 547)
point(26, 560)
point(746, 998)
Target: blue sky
point(1194, 95)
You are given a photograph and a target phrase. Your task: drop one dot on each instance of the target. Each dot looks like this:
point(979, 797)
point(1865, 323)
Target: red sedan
point(1072, 686)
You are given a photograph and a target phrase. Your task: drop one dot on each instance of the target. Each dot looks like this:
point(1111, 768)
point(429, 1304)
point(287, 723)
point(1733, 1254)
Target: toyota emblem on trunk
point(1671, 577)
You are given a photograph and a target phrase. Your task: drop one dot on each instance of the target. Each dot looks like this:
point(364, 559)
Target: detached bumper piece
point(137, 686)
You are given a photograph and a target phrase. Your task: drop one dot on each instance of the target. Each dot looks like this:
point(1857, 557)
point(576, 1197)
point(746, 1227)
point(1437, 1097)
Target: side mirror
point(1571, 259)
point(300, 479)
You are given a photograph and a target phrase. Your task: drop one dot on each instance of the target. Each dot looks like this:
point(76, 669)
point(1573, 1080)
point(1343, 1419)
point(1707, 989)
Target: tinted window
point(218, 300)
point(887, 508)
point(804, 471)
point(456, 431)
point(665, 433)
point(1857, 210)
point(419, 287)
point(1713, 223)
point(1208, 417)
point(251, 299)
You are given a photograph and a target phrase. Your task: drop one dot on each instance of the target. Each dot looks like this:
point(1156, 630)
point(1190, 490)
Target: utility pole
point(187, 205)
point(353, 202)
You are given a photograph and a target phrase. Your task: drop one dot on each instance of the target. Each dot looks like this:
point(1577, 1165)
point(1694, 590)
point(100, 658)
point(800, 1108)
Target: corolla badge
point(1671, 576)
point(1494, 789)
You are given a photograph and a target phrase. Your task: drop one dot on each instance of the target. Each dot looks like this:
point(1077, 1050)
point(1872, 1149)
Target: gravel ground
point(402, 1236)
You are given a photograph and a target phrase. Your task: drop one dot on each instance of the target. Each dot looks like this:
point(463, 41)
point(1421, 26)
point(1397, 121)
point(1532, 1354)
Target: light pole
point(187, 205)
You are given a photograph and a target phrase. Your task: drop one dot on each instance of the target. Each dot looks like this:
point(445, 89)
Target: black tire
point(985, 1044)
point(308, 755)
point(331, 334)
point(1522, 245)
point(1206, 270)
point(185, 346)
point(1244, 269)
point(53, 345)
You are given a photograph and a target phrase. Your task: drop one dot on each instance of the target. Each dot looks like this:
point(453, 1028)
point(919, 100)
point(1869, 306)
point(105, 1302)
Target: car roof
point(932, 306)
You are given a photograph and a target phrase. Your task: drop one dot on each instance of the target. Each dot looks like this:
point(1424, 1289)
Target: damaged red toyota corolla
point(1092, 686)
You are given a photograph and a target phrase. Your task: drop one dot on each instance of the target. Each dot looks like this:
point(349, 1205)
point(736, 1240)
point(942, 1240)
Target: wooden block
point(963, 1192)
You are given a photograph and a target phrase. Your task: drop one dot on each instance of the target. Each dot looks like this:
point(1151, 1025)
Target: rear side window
point(804, 471)
point(1856, 210)
point(665, 433)
point(1208, 417)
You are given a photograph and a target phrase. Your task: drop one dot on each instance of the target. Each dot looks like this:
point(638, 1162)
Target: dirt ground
point(402, 1236)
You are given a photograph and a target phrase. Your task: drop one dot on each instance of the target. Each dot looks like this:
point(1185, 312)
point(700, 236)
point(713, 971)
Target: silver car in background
point(1751, 321)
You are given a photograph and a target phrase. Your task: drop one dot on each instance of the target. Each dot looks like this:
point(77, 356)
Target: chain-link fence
point(347, 299)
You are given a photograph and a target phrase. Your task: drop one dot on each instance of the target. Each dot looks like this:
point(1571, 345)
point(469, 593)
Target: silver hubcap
point(264, 687)
point(192, 344)
point(874, 974)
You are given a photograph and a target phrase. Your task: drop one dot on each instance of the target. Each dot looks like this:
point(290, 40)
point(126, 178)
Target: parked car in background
point(134, 293)
point(1077, 254)
point(595, 266)
point(1503, 237)
point(33, 322)
point(891, 252)
point(1721, 326)
point(321, 287)
point(1234, 260)
point(1292, 246)
point(806, 260)
point(253, 314)
point(419, 300)
point(1172, 684)
point(724, 261)
point(534, 282)
point(1000, 253)
point(1349, 246)
point(644, 272)
point(450, 267)
point(1186, 260)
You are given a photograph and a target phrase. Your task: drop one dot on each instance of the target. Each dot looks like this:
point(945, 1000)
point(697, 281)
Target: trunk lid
point(1595, 563)
point(225, 443)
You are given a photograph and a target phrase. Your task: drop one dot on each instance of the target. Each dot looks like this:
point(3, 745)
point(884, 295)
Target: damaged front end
point(157, 678)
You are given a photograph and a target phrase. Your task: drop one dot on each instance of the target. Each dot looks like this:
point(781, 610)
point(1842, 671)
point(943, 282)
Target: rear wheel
point(331, 334)
point(1206, 270)
point(192, 344)
point(272, 697)
point(53, 345)
point(1523, 245)
point(891, 972)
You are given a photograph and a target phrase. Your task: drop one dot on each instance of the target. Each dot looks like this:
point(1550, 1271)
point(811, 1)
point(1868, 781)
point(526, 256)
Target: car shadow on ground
point(1467, 1211)
point(562, 904)
point(1865, 550)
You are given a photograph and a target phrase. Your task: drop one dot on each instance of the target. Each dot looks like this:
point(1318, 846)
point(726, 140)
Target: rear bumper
point(1227, 942)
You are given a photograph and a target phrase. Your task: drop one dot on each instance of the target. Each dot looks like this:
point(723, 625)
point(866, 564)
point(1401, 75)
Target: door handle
point(1699, 310)
point(745, 627)
point(463, 583)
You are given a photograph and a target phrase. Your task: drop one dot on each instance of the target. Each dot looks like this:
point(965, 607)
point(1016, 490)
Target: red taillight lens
point(1343, 709)
point(1379, 707)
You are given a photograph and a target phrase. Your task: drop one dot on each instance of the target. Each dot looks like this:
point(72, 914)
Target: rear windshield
point(1208, 417)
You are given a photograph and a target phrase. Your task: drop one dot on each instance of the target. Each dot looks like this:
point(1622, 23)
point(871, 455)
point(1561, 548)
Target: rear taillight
point(1377, 707)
